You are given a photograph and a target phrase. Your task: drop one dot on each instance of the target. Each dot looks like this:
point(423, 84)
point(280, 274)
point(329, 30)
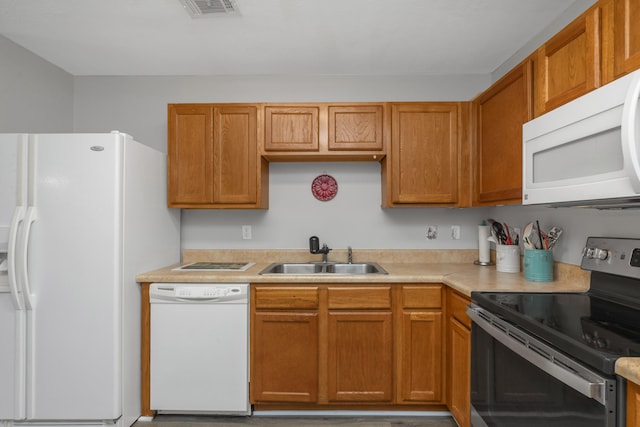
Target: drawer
point(285, 298)
point(360, 297)
point(422, 296)
point(458, 308)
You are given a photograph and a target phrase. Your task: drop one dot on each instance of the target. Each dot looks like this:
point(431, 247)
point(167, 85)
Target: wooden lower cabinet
point(420, 350)
point(290, 375)
point(633, 404)
point(360, 355)
point(421, 379)
point(284, 344)
point(459, 358)
point(347, 345)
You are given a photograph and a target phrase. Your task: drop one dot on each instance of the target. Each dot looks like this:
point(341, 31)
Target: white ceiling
point(277, 37)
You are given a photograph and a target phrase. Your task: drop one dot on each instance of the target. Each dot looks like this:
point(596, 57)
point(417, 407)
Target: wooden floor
point(290, 421)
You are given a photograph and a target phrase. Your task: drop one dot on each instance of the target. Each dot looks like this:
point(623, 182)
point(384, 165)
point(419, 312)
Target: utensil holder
point(508, 258)
point(538, 265)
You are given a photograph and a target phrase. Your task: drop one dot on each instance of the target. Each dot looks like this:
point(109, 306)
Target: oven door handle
point(541, 355)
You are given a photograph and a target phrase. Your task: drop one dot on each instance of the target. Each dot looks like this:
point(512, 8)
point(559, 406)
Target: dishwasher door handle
point(196, 300)
point(163, 299)
point(176, 293)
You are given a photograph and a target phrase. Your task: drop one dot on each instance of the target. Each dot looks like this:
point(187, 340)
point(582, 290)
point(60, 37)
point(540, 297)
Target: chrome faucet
point(314, 248)
point(349, 255)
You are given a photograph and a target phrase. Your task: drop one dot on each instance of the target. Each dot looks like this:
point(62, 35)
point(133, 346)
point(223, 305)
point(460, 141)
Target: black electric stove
point(594, 328)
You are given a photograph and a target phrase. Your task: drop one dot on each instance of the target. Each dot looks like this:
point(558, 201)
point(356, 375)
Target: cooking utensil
point(500, 233)
point(530, 237)
point(542, 245)
point(506, 229)
point(553, 236)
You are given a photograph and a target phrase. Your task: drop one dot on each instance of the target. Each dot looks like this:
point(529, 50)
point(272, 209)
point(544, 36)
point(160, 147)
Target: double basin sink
point(324, 268)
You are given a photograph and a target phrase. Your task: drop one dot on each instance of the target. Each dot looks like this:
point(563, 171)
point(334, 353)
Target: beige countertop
point(454, 268)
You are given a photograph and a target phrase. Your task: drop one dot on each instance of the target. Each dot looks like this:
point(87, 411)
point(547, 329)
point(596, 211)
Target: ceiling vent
point(201, 8)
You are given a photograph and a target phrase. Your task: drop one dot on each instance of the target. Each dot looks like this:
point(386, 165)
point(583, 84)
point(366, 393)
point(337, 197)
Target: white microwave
point(586, 152)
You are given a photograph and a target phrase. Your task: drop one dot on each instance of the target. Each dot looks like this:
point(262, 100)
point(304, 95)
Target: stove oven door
point(516, 380)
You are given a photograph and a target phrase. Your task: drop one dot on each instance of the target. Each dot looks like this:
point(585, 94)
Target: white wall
point(577, 223)
point(138, 105)
point(353, 218)
point(35, 95)
point(573, 11)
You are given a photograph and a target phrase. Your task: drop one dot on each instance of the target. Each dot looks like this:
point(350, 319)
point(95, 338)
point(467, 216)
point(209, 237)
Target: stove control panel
point(595, 253)
point(612, 255)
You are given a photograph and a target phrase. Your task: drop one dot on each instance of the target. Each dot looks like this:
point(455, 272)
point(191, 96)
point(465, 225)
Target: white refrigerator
point(80, 216)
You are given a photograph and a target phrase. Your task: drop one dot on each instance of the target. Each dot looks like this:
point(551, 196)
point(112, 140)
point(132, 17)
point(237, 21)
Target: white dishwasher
point(200, 348)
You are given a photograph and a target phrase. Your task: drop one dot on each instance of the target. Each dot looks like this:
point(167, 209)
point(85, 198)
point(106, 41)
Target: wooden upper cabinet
point(626, 36)
point(190, 157)
point(423, 164)
point(569, 64)
point(356, 127)
point(235, 155)
point(213, 157)
point(291, 128)
point(500, 112)
point(324, 132)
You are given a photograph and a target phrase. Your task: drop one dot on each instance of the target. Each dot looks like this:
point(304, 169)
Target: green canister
point(538, 265)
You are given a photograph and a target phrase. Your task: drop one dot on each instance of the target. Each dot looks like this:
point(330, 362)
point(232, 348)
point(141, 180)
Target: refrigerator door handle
point(15, 289)
point(30, 218)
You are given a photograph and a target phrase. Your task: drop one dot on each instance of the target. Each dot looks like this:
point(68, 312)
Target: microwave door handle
point(631, 133)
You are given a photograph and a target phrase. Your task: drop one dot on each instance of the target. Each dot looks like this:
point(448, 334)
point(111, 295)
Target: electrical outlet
point(432, 232)
point(455, 232)
point(246, 232)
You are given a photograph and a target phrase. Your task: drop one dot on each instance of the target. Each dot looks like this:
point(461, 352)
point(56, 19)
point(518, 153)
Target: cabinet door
point(213, 157)
point(626, 36)
point(360, 353)
point(421, 357)
point(284, 364)
point(190, 154)
point(460, 372)
point(291, 128)
point(500, 113)
point(424, 153)
point(235, 156)
point(633, 404)
point(569, 64)
point(356, 127)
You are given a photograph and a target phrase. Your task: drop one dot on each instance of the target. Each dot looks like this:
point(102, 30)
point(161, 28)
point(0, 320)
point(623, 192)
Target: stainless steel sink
point(293, 268)
point(324, 268)
point(357, 268)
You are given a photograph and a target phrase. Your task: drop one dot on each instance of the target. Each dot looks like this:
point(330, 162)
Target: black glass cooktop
point(593, 330)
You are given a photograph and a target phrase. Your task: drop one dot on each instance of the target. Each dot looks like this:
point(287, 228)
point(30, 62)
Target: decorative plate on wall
point(324, 187)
